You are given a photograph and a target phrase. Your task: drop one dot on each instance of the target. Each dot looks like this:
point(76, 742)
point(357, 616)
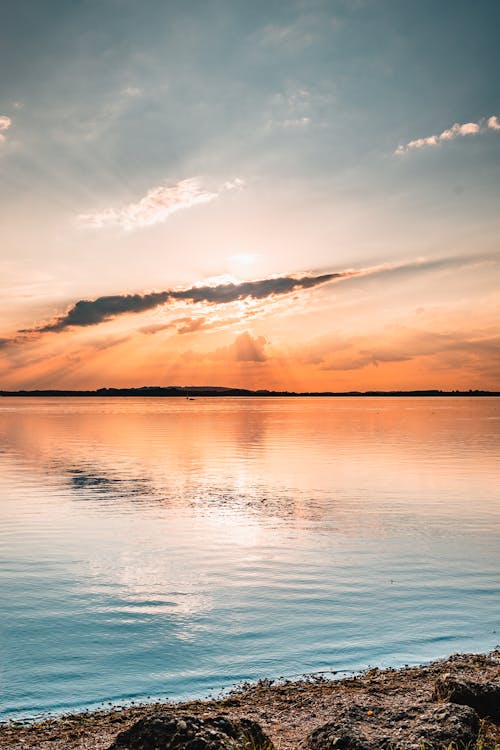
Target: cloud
point(92, 312)
point(400, 344)
point(5, 123)
point(245, 348)
point(186, 324)
point(296, 109)
point(249, 349)
point(292, 36)
point(190, 325)
point(156, 328)
point(6, 341)
point(456, 131)
point(297, 122)
point(361, 359)
point(132, 91)
point(156, 206)
point(275, 285)
point(237, 183)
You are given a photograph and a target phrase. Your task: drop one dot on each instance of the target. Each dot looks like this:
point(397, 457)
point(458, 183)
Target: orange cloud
point(245, 348)
point(5, 123)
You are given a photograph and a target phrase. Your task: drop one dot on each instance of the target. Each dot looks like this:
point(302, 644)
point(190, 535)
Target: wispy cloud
point(7, 341)
point(157, 205)
point(188, 324)
point(132, 91)
point(456, 131)
point(403, 345)
point(294, 36)
point(5, 123)
point(296, 108)
point(185, 324)
point(297, 122)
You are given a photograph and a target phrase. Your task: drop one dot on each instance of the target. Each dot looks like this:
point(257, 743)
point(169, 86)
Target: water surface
point(165, 548)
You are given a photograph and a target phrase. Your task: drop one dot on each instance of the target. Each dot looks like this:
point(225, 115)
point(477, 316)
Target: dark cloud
point(223, 293)
point(92, 312)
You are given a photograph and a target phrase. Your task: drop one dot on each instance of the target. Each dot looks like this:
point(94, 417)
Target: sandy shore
point(287, 712)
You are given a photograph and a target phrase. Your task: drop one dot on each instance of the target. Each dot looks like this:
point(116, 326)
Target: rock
point(443, 725)
point(484, 697)
point(167, 731)
point(420, 726)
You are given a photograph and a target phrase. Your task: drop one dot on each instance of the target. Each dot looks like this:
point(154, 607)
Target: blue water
point(164, 548)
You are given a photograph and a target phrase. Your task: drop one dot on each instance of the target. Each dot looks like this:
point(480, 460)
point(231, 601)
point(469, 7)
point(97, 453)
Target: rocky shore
point(450, 702)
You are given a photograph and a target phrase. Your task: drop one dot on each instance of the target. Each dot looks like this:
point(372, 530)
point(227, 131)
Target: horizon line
point(175, 391)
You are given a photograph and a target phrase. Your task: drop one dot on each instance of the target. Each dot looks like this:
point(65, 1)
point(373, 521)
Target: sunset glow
point(296, 198)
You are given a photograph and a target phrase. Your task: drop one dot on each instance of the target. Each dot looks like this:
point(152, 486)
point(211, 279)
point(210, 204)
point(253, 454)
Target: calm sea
point(163, 548)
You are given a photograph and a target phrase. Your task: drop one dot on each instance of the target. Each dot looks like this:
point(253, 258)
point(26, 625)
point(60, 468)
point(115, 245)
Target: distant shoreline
point(218, 391)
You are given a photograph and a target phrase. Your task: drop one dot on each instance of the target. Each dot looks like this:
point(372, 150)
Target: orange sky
point(359, 332)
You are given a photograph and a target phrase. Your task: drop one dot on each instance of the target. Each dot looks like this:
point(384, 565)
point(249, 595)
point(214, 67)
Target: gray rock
point(484, 697)
point(166, 731)
point(432, 727)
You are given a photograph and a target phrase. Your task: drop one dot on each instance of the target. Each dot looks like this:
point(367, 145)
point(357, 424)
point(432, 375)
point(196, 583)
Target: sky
point(298, 194)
